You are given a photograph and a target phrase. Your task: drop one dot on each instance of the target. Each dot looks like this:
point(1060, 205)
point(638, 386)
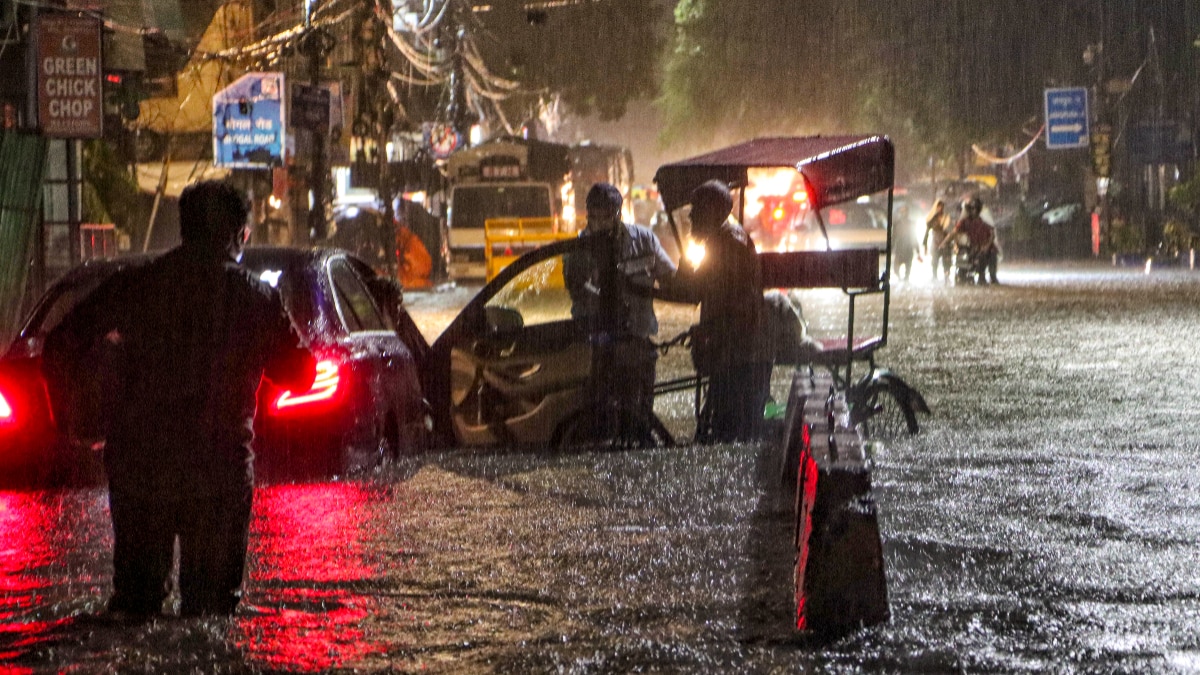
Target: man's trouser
point(627, 372)
point(983, 265)
point(990, 260)
point(213, 533)
point(733, 407)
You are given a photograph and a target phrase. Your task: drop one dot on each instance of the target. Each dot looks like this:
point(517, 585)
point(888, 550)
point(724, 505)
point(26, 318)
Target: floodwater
point(1046, 518)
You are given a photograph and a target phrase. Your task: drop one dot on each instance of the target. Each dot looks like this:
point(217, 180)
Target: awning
point(179, 175)
point(190, 110)
point(838, 168)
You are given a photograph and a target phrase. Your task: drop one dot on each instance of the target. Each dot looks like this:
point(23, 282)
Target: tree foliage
point(597, 56)
point(936, 75)
point(110, 194)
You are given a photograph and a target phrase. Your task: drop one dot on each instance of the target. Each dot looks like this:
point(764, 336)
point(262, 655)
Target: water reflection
point(49, 542)
point(24, 550)
point(308, 589)
point(306, 603)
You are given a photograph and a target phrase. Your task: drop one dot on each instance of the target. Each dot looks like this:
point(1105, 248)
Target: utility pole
point(315, 44)
point(375, 120)
point(461, 118)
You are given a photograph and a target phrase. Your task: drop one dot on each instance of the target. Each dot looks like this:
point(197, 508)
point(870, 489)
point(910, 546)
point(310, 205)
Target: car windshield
point(472, 205)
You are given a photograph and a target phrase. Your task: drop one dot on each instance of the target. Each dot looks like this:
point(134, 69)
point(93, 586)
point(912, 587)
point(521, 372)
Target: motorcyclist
point(983, 251)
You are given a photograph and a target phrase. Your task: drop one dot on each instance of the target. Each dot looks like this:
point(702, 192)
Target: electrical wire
point(408, 79)
point(7, 38)
point(428, 64)
point(107, 23)
point(993, 159)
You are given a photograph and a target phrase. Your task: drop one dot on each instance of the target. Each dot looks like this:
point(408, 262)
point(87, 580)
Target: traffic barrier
point(514, 236)
point(840, 583)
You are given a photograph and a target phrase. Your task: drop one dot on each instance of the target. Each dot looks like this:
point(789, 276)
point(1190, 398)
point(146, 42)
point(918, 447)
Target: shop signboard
point(248, 122)
point(69, 77)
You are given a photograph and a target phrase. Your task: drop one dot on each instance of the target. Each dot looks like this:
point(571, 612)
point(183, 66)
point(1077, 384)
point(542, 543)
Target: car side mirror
point(502, 320)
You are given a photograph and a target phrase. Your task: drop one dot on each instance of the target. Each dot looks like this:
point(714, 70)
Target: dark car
point(365, 407)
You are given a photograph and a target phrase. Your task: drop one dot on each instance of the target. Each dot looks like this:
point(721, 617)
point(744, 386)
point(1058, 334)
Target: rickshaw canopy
point(836, 168)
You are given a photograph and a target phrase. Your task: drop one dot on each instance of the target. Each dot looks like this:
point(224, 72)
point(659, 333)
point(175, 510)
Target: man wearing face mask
point(622, 319)
point(189, 336)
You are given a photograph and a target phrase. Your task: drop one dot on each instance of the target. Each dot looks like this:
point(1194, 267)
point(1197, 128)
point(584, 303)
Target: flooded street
point(1046, 518)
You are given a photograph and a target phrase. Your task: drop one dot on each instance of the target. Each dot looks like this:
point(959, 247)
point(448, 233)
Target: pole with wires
point(315, 44)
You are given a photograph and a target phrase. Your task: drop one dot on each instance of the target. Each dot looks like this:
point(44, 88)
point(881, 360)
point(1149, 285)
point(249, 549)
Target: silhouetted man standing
point(728, 344)
point(189, 336)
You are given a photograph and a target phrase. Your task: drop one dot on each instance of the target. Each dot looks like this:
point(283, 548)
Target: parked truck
point(511, 194)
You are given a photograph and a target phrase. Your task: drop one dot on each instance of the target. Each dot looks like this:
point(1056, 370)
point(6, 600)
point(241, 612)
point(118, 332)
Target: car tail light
point(6, 411)
point(323, 389)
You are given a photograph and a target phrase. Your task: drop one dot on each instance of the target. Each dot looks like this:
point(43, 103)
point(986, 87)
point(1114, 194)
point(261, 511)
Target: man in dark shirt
point(188, 337)
point(728, 345)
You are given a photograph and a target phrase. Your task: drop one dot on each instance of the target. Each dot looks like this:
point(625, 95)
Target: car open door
point(514, 363)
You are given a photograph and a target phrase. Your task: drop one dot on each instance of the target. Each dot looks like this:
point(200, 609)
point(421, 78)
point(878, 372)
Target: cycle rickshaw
point(825, 464)
point(800, 185)
point(515, 369)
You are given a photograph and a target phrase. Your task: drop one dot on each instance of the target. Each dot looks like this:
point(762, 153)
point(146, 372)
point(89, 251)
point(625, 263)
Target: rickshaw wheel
point(884, 415)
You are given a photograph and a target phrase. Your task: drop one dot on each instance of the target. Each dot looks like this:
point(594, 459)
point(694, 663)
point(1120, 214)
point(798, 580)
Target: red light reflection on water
point(306, 560)
point(25, 553)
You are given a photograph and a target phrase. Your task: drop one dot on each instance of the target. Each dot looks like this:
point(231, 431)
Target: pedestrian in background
point(937, 228)
point(905, 245)
point(190, 336)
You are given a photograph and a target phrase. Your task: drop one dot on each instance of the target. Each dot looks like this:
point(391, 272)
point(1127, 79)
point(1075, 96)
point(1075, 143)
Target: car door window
point(354, 302)
point(369, 279)
point(52, 312)
point(538, 294)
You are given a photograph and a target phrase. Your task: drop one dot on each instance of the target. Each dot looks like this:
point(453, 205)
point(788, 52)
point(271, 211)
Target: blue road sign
point(1066, 118)
point(248, 123)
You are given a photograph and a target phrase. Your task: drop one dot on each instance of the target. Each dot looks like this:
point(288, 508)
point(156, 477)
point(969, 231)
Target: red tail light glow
point(6, 411)
point(324, 388)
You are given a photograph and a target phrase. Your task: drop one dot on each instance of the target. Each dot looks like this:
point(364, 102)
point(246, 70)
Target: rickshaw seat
point(851, 268)
point(834, 352)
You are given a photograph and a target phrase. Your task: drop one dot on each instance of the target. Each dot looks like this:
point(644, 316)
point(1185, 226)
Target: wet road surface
point(1045, 519)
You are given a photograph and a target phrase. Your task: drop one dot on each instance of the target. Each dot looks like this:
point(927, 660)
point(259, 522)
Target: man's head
point(711, 205)
point(974, 206)
point(212, 215)
point(603, 206)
